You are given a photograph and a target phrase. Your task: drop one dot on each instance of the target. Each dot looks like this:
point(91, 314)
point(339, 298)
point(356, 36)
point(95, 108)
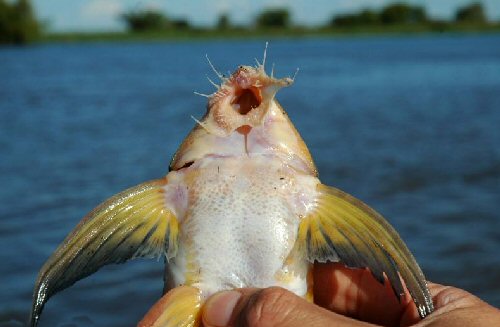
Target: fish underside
point(241, 206)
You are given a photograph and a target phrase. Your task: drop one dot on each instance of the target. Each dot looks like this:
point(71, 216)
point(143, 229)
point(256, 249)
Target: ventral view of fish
point(241, 206)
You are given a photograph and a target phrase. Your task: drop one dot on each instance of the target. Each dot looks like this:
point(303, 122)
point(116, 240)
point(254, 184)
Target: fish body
point(241, 224)
point(242, 206)
point(245, 193)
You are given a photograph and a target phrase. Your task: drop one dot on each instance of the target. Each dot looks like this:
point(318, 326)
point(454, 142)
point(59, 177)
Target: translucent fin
point(133, 223)
point(342, 228)
point(179, 307)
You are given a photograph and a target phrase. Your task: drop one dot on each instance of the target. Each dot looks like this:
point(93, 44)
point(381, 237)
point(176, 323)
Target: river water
point(408, 124)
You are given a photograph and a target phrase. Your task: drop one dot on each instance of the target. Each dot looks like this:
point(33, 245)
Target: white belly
point(240, 225)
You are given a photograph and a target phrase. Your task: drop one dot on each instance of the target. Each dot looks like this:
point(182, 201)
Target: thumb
point(267, 307)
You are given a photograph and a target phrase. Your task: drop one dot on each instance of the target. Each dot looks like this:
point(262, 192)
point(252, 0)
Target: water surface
point(408, 124)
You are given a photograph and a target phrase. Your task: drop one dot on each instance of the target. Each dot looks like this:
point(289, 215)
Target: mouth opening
point(246, 100)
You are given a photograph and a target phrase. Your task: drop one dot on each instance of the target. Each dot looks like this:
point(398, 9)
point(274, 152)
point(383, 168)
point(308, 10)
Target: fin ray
point(342, 228)
point(133, 223)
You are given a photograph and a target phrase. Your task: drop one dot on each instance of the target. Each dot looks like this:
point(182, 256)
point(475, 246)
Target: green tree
point(18, 24)
point(147, 20)
point(344, 20)
point(473, 13)
point(180, 24)
point(401, 13)
point(5, 25)
point(274, 18)
point(369, 17)
point(223, 22)
point(365, 17)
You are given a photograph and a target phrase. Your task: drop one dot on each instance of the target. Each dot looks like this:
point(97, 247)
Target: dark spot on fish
point(282, 178)
point(187, 164)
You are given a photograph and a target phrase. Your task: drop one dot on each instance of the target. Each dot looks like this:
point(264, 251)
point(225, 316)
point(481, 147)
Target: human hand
point(345, 297)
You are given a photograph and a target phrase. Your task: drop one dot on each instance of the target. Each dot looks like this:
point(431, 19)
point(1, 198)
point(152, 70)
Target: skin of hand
point(344, 297)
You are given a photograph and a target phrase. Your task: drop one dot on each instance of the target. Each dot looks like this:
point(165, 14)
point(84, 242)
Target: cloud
point(101, 9)
point(222, 6)
point(152, 5)
point(353, 5)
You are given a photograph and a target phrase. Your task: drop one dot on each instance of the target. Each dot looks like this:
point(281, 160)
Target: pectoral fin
point(342, 228)
point(133, 223)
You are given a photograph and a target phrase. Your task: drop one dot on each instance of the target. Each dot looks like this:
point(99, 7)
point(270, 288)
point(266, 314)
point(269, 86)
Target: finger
point(457, 307)
point(448, 298)
point(268, 307)
point(356, 293)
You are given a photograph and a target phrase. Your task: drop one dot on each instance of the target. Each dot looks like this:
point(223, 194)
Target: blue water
point(408, 124)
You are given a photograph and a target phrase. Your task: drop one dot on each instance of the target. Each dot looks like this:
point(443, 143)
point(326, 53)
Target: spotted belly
point(240, 226)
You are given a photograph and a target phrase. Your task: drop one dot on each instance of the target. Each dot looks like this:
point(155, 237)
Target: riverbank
point(296, 32)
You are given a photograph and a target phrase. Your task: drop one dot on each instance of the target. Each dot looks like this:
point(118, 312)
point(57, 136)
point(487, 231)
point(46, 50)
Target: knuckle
point(454, 298)
point(269, 307)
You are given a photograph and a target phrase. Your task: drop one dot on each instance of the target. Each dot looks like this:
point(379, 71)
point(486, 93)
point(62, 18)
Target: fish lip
point(225, 112)
point(251, 78)
point(262, 130)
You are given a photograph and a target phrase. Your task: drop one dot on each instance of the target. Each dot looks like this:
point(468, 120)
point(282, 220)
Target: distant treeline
point(280, 18)
point(401, 13)
point(18, 24)
point(149, 20)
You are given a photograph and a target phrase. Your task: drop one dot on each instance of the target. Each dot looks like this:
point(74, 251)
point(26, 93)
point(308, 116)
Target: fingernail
point(219, 308)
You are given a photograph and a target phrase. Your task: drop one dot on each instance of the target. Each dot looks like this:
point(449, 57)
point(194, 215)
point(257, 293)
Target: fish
point(241, 206)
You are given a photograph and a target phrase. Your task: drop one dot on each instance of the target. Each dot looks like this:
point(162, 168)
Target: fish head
point(243, 117)
point(243, 99)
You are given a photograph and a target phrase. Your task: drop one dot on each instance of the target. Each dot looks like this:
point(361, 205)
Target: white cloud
point(101, 9)
point(222, 6)
point(353, 5)
point(152, 5)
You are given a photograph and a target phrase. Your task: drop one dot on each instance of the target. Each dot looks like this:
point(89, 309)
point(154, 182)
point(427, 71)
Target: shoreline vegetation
point(208, 34)
point(18, 25)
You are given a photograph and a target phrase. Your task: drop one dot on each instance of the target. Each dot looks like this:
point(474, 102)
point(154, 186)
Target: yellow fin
point(342, 228)
point(133, 223)
point(179, 307)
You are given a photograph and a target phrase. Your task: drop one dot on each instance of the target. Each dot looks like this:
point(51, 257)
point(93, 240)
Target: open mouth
point(246, 99)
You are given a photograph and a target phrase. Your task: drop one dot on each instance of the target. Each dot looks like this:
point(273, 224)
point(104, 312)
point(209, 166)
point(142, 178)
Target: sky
point(102, 15)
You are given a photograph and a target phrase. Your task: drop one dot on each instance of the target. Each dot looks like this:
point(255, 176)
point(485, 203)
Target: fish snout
point(243, 100)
